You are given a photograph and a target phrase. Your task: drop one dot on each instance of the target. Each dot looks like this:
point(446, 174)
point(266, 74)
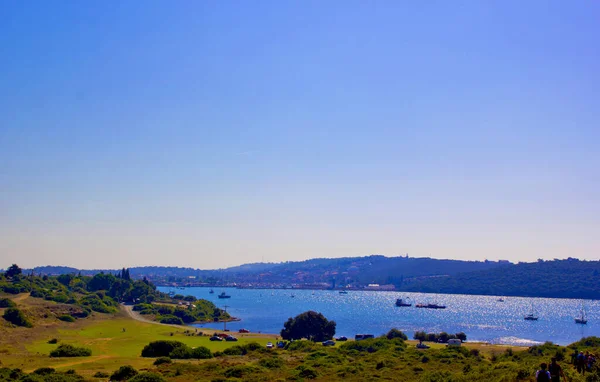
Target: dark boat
point(531, 316)
point(211, 291)
point(343, 292)
point(430, 306)
point(401, 302)
point(224, 295)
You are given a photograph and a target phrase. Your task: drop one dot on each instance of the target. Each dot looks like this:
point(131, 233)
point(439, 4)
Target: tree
point(461, 336)
point(395, 333)
point(13, 271)
point(421, 336)
point(311, 325)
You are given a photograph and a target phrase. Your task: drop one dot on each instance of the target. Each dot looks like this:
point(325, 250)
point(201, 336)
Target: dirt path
point(138, 317)
point(87, 360)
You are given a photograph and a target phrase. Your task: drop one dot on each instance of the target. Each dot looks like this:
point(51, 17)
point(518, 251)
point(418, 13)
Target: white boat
point(581, 319)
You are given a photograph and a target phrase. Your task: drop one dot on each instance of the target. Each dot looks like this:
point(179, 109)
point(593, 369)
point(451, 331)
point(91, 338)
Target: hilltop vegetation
point(559, 278)
point(77, 296)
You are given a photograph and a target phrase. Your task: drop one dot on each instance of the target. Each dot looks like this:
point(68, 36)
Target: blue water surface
point(482, 318)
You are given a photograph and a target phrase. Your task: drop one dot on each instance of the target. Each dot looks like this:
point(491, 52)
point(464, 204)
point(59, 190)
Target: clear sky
point(214, 133)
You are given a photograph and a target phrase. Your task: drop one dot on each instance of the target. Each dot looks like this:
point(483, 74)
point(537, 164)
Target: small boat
point(292, 295)
point(500, 299)
point(430, 306)
point(343, 292)
point(531, 316)
point(211, 291)
point(224, 295)
point(401, 302)
point(581, 319)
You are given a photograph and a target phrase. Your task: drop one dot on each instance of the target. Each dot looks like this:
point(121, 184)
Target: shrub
point(271, 363)
point(201, 352)
point(7, 303)
point(53, 341)
point(66, 318)
point(162, 360)
point(101, 374)
point(44, 371)
point(171, 320)
point(16, 317)
point(306, 372)
point(140, 307)
point(38, 293)
point(124, 373)
point(65, 350)
point(165, 309)
point(161, 348)
point(61, 298)
point(148, 377)
point(239, 371)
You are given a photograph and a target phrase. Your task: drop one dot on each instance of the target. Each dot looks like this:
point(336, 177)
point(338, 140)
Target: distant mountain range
point(569, 278)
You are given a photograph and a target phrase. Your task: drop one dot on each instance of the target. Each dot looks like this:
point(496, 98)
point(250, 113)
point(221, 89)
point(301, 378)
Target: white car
point(269, 345)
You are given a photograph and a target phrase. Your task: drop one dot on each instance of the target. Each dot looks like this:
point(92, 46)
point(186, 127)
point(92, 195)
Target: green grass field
point(114, 340)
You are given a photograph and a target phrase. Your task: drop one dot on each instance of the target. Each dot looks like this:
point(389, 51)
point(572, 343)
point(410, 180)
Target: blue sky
point(210, 134)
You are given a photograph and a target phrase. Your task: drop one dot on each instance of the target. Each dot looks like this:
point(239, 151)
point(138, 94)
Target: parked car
point(216, 338)
point(223, 335)
point(329, 343)
point(269, 345)
point(244, 331)
point(230, 338)
point(280, 344)
point(342, 338)
point(421, 345)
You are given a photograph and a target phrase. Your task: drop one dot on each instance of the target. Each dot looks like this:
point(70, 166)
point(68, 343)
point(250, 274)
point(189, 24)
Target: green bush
point(16, 317)
point(148, 377)
point(66, 350)
point(101, 374)
point(66, 318)
point(161, 348)
point(162, 360)
point(7, 303)
point(60, 298)
point(124, 373)
point(171, 320)
point(201, 352)
point(44, 371)
point(306, 372)
point(53, 341)
point(271, 363)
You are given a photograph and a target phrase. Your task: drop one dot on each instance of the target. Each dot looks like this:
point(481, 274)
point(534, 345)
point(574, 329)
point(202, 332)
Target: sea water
point(482, 318)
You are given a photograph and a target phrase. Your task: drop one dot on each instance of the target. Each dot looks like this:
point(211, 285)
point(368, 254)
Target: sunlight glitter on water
point(482, 318)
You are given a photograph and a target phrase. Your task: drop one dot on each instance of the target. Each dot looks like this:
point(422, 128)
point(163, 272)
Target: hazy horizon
point(118, 267)
point(217, 134)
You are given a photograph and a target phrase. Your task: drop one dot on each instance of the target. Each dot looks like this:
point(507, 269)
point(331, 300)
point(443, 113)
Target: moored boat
point(581, 319)
point(401, 302)
point(224, 295)
point(531, 316)
point(430, 306)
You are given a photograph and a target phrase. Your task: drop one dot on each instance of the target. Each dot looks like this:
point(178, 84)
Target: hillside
point(354, 271)
point(569, 278)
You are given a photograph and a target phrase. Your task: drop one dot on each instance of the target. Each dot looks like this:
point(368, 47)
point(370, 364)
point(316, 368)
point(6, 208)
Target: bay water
point(482, 318)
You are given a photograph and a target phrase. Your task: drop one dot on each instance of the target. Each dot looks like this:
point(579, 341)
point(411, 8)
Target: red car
point(244, 331)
